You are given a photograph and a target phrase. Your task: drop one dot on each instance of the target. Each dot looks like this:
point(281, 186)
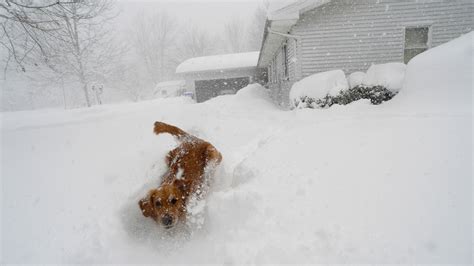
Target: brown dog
point(190, 166)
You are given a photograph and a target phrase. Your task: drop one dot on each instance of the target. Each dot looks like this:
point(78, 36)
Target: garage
point(207, 89)
point(210, 76)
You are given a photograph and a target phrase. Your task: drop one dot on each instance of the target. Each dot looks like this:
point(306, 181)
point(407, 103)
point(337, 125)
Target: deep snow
point(356, 183)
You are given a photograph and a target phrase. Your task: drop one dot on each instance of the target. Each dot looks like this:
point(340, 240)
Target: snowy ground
point(359, 183)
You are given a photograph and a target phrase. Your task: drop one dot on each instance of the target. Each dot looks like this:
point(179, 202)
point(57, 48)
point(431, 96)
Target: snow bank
point(440, 79)
point(318, 85)
point(253, 97)
point(219, 62)
point(390, 76)
point(253, 91)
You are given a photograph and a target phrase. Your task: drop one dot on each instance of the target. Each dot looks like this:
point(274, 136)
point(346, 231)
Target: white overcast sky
point(211, 15)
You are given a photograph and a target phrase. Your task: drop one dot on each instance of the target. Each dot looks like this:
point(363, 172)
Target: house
point(311, 36)
point(171, 88)
point(210, 76)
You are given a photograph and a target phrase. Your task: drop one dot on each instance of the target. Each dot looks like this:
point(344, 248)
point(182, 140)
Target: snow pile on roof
point(219, 62)
point(389, 75)
point(440, 79)
point(318, 85)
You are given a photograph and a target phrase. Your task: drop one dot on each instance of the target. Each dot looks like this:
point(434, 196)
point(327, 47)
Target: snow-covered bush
point(356, 79)
point(390, 76)
point(317, 86)
point(381, 83)
point(376, 95)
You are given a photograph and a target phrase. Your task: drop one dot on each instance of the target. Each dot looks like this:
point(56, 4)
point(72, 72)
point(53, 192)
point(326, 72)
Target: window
point(416, 41)
point(274, 71)
point(285, 61)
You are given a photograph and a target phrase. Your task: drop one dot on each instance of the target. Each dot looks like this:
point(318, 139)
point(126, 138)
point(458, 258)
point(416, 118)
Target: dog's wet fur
point(190, 166)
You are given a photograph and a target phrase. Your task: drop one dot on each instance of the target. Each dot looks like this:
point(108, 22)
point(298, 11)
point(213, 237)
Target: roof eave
point(271, 42)
point(201, 72)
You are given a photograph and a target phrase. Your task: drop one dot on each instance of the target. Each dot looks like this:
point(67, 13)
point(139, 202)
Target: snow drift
point(440, 80)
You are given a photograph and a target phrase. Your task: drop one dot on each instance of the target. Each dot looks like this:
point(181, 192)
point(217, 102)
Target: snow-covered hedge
point(356, 79)
point(380, 83)
point(390, 76)
point(317, 86)
point(376, 95)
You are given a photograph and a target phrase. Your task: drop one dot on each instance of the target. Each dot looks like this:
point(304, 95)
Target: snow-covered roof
point(219, 62)
point(293, 11)
point(281, 20)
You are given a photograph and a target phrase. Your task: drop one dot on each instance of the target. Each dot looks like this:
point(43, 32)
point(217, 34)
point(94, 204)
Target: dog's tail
point(165, 128)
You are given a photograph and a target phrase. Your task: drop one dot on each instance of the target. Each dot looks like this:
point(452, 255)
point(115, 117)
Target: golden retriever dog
point(190, 166)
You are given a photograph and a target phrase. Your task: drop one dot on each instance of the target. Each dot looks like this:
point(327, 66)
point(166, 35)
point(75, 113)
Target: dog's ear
point(146, 205)
point(213, 155)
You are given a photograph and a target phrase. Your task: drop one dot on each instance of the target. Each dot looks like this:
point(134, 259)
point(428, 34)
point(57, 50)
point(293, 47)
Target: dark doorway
point(207, 89)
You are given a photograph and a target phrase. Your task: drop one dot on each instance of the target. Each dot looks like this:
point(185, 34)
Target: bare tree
point(234, 33)
point(194, 42)
point(22, 25)
point(70, 38)
point(154, 39)
point(255, 31)
point(82, 49)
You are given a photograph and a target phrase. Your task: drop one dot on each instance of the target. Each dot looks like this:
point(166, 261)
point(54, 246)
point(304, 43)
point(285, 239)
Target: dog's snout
point(167, 220)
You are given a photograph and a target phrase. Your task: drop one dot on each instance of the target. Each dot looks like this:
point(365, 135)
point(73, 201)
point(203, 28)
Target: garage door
point(207, 89)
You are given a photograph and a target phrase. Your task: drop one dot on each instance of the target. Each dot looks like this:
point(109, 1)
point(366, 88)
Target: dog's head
point(166, 204)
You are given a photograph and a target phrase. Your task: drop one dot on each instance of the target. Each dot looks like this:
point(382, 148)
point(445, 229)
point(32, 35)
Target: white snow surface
point(219, 62)
point(318, 85)
point(356, 79)
point(389, 75)
point(351, 184)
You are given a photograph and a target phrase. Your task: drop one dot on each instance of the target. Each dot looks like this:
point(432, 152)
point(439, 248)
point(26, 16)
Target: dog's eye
point(173, 200)
point(158, 204)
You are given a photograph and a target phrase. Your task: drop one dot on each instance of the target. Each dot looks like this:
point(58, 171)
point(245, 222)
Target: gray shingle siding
point(291, 58)
point(352, 35)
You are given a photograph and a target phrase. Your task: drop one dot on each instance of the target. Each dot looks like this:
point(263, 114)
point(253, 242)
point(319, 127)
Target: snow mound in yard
point(318, 85)
point(389, 75)
point(253, 91)
point(253, 96)
point(440, 79)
